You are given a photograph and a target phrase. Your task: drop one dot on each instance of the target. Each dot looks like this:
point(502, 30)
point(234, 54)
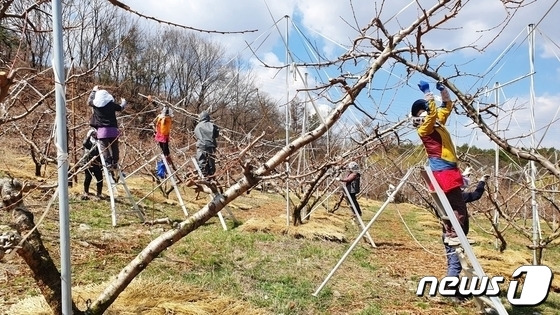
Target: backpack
point(161, 171)
point(163, 125)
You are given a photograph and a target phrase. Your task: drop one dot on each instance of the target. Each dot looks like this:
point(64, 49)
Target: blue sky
point(331, 27)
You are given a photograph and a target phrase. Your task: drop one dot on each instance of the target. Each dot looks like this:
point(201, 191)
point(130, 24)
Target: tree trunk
point(31, 248)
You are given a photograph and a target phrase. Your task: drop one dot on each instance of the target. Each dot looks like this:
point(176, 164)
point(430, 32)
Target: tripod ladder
point(466, 255)
point(357, 215)
point(220, 216)
point(390, 199)
point(112, 185)
point(171, 176)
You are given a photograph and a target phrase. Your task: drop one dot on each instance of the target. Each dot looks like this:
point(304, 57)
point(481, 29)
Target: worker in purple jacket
point(104, 120)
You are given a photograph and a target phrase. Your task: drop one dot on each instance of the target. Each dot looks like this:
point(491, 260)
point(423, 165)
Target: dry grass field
point(260, 265)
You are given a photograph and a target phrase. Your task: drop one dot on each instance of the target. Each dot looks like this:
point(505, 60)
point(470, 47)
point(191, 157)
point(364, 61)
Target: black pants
point(206, 161)
point(94, 170)
point(110, 151)
point(164, 148)
point(455, 197)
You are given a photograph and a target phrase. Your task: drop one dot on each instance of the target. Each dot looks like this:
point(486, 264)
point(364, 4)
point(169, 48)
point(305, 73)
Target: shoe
point(114, 176)
point(84, 196)
point(458, 299)
point(452, 241)
point(464, 298)
point(455, 241)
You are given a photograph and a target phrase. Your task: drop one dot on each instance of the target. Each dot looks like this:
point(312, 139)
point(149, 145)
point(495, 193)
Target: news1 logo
point(534, 290)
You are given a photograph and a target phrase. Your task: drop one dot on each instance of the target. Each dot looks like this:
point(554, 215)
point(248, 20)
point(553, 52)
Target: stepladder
point(220, 216)
point(115, 178)
point(357, 216)
point(171, 176)
point(469, 263)
point(366, 228)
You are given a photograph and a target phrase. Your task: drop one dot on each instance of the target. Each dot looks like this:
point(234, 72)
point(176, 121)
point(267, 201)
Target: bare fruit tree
point(251, 161)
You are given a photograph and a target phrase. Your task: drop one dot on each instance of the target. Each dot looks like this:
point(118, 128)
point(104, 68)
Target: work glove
point(123, 102)
point(467, 171)
point(96, 88)
point(444, 92)
point(484, 177)
point(424, 86)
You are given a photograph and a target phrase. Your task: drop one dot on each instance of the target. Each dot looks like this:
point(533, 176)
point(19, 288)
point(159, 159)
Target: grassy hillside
point(260, 266)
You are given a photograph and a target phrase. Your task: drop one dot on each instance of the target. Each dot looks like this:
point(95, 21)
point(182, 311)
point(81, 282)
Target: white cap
point(167, 111)
point(353, 166)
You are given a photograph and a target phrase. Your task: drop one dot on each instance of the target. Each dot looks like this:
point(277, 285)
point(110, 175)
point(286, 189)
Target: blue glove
point(440, 86)
point(424, 86)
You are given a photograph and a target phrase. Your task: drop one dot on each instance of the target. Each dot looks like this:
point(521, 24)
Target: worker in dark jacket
point(104, 120)
point(474, 195)
point(206, 134)
point(92, 161)
point(352, 182)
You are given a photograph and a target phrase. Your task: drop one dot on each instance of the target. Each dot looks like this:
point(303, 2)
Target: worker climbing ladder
point(466, 255)
point(220, 216)
point(112, 184)
point(357, 216)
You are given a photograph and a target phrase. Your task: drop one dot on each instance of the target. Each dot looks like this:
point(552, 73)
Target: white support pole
point(367, 227)
point(62, 159)
point(496, 161)
point(287, 164)
point(141, 167)
point(302, 159)
point(533, 170)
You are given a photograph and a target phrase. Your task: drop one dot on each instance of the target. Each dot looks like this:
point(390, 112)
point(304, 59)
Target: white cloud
point(332, 27)
point(516, 126)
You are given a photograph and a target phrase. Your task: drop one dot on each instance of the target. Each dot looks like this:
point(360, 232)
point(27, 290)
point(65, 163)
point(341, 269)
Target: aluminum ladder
point(112, 185)
point(466, 255)
point(220, 216)
point(357, 216)
point(171, 177)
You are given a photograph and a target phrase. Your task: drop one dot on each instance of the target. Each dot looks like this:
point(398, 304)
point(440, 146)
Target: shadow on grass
point(388, 244)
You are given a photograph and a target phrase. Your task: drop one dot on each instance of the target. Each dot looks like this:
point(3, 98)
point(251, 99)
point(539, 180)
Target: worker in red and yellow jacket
point(429, 121)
